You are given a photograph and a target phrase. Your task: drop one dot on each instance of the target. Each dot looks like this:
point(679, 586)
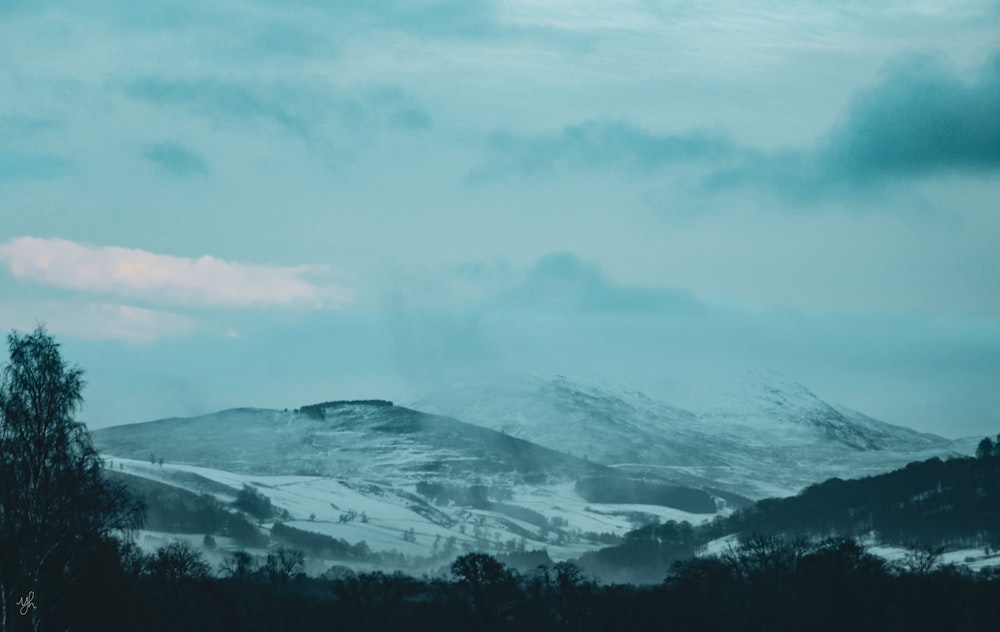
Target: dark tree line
point(932, 504)
point(764, 583)
point(254, 502)
point(178, 510)
point(954, 502)
point(619, 489)
point(318, 411)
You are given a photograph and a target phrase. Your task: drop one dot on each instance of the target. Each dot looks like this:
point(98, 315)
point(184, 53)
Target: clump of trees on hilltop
point(318, 411)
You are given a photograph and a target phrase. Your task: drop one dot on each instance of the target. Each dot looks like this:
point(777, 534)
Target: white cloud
point(96, 321)
point(205, 281)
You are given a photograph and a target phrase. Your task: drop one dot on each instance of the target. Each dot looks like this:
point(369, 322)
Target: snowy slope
point(352, 441)
point(604, 426)
point(380, 515)
point(766, 437)
point(352, 474)
point(775, 411)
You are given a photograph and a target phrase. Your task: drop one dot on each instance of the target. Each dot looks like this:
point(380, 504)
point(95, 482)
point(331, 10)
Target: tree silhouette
point(54, 504)
point(489, 583)
point(921, 558)
point(570, 594)
point(178, 561)
point(238, 565)
point(985, 449)
point(282, 564)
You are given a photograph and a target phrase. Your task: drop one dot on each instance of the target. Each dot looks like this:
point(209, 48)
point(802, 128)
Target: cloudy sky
point(259, 203)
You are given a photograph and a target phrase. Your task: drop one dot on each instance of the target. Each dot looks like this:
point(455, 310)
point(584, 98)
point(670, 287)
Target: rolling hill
point(396, 479)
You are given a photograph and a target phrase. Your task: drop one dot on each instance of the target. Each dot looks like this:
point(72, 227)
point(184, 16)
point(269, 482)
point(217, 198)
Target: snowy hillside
point(350, 441)
point(771, 410)
point(605, 426)
point(392, 478)
point(768, 437)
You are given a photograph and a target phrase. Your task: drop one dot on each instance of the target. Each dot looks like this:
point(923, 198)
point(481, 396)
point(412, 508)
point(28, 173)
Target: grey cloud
point(219, 99)
point(602, 144)
point(396, 107)
point(175, 159)
point(439, 344)
point(14, 126)
point(922, 118)
point(564, 281)
point(16, 165)
point(798, 175)
point(333, 123)
point(411, 118)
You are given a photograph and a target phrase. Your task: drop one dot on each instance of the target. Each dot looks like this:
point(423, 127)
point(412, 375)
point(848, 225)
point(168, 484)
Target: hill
point(954, 503)
point(343, 440)
point(927, 505)
point(767, 437)
point(395, 480)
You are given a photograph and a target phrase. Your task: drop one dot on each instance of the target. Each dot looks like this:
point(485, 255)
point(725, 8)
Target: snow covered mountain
point(544, 463)
point(395, 479)
point(768, 437)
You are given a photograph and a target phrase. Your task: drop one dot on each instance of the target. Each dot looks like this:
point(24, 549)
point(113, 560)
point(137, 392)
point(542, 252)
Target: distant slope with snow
point(602, 425)
point(769, 437)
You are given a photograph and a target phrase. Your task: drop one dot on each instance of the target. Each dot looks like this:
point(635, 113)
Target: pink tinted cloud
point(97, 321)
point(203, 281)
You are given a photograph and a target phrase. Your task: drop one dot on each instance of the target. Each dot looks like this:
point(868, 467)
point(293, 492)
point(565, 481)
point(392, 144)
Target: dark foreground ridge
point(764, 584)
point(951, 504)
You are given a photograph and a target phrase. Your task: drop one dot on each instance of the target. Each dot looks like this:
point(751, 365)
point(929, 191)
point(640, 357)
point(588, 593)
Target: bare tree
point(178, 561)
point(921, 559)
point(54, 504)
point(238, 565)
point(282, 564)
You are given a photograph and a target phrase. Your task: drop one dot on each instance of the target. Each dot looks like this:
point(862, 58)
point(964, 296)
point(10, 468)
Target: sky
point(259, 203)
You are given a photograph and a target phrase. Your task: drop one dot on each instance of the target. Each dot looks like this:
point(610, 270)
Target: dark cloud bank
point(920, 119)
point(176, 159)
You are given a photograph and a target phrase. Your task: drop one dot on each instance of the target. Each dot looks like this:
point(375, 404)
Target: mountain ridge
point(321, 441)
point(773, 437)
